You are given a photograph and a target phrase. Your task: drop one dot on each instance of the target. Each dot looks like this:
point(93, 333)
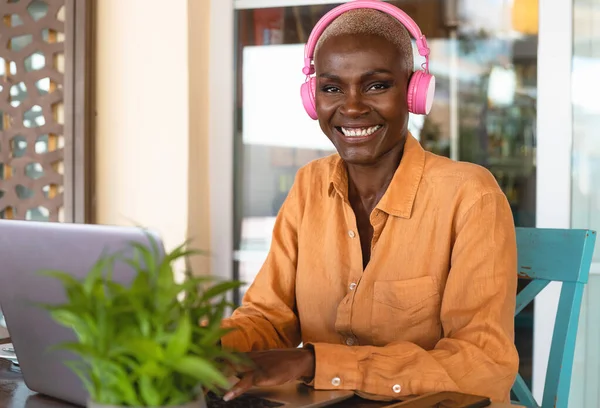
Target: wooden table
point(15, 394)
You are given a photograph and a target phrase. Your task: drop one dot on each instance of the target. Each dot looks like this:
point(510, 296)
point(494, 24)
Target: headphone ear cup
point(421, 90)
point(308, 94)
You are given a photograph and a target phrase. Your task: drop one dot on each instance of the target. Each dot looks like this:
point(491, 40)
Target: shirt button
point(336, 382)
point(397, 388)
point(350, 341)
point(351, 234)
point(352, 286)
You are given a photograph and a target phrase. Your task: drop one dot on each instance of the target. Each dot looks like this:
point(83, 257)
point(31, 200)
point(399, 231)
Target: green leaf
point(140, 284)
point(67, 279)
point(144, 323)
point(65, 317)
point(220, 288)
point(127, 392)
point(143, 349)
point(106, 375)
point(73, 288)
point(152, 369)
point(181, 338)
point(80, 349)
point(95, 274)
point(190, 252)
point(192, 284)
point(153, 244)
point(117, 385)
point(166, 277)
point(178, 252)
point(110, 395)
point(201, 370)
point(216, 316)
point(191, 289)
point(119, 356)
point(212, 335)
point(148, 392)
point(178, 399)
point(147, 256)
point(173, 384)
point(80, 370)
point(78, 323)
point(115, 289)
point(174, 291)
point(166, 285)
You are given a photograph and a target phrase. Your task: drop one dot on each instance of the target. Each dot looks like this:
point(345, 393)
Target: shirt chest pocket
point(406, 310)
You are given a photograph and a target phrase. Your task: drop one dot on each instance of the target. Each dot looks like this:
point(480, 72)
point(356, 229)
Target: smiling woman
point(393, 266)
point(478, 116)
point(362, 84)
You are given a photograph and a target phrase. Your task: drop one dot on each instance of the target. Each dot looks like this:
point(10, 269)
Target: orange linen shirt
point(432, 311)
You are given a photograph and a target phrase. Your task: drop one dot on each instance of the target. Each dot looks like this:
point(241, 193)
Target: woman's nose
point(354, 105)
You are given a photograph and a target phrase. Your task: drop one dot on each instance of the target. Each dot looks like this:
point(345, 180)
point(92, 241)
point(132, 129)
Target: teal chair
point(546, 255)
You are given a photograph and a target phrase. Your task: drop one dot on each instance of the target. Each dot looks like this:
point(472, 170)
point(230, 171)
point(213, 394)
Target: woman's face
point(361, 96)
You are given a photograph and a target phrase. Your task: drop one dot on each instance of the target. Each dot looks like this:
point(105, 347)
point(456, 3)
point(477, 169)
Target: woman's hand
point(274, 367)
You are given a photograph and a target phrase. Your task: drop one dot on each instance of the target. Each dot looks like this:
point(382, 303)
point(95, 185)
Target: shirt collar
point(400, 196)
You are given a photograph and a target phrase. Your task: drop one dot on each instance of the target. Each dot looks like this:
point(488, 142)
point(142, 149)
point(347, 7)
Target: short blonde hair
point(371, 22)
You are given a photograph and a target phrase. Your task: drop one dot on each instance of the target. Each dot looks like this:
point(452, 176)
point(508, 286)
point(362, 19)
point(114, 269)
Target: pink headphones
point(422, 84)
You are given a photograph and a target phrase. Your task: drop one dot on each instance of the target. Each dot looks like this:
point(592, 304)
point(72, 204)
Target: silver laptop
point(26, 247)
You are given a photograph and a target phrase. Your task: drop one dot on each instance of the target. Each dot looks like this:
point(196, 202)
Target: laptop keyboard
point(243, 401)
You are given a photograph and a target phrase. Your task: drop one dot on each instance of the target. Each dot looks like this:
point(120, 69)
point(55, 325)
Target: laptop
point(26, 247)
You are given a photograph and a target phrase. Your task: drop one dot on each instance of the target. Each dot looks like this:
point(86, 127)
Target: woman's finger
point(241, 386)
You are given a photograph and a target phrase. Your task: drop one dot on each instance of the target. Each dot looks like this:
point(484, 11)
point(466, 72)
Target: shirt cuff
point(234, 340)
point(336, 367)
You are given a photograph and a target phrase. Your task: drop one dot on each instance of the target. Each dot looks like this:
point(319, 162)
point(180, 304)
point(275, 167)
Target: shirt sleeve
point(477, 354)
point(267, 318)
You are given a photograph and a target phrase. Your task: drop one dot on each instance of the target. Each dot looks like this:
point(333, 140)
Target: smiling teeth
point(360, 132)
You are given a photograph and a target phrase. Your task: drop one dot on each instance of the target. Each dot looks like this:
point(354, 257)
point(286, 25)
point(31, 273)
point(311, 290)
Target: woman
point(394, 267)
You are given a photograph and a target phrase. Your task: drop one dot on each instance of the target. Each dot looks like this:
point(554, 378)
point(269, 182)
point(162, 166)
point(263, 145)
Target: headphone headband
point(421, 87)
point(392, 10)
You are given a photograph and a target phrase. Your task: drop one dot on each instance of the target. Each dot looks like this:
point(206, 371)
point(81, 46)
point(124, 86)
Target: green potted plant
point(152, 343)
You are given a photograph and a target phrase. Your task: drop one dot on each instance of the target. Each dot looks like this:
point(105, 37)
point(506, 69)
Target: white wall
point(142, 128)
point(152, 116)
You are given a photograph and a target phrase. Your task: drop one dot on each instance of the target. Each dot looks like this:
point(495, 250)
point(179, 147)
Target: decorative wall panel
point(38, 59)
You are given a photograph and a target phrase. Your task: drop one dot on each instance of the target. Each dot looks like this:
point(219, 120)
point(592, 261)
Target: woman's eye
point(330, 89)
point(379, 87)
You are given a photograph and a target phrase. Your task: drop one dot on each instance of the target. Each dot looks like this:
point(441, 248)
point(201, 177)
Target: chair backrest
point(562, 255)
